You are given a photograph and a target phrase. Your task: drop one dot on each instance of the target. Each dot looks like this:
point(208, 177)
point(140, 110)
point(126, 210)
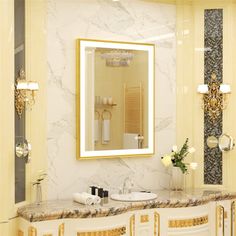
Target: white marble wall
point(125, 20)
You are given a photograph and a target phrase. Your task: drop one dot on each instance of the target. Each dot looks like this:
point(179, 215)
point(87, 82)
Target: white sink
point(134, 197)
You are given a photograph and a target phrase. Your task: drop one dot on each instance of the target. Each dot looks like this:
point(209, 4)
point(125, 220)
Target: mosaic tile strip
point(213, 63)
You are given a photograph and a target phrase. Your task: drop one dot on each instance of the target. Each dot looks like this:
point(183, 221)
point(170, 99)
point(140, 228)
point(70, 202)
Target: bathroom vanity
point(188, 213)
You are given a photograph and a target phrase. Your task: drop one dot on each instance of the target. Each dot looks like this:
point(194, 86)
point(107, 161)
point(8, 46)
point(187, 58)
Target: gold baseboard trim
point(188, 222)
point(144, 218)
point(110, 232)
point(47, 235)
point(132, 225)
point(32, 231)
point(20, 233)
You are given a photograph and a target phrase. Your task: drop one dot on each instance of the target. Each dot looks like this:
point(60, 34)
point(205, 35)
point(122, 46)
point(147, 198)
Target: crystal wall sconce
point(214, 97)
point(24, 93)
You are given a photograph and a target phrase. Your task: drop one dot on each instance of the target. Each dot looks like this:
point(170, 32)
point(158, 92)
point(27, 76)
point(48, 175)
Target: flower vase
point(177, 179)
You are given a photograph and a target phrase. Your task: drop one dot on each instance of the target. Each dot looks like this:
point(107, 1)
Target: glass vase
point(177, 179)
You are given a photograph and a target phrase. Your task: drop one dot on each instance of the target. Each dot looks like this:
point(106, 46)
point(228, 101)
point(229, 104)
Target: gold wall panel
point(144, 218)
point(188, 222)
point(32, 231)
point(110, 232)
point(61, 230)
point(20, 233)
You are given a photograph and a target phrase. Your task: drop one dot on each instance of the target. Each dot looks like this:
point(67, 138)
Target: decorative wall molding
point(188, 222)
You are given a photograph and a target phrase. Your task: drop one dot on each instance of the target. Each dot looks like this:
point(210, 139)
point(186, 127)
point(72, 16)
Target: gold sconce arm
point(24, 92)
point(215, 97)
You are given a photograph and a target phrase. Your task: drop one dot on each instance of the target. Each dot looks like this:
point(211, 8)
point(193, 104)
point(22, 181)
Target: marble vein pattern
point(131, 21)
point(61, 209)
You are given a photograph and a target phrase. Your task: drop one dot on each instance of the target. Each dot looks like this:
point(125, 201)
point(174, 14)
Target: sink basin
point(134, 197)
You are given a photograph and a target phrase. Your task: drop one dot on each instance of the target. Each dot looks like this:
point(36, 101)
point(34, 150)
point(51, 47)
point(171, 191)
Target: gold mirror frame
point(78, 101)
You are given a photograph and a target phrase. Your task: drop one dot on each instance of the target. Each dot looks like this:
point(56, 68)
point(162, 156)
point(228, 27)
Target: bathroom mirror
point(115, 102)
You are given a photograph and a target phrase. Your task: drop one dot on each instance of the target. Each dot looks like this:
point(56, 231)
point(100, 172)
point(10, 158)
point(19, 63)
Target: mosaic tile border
point(213, 63)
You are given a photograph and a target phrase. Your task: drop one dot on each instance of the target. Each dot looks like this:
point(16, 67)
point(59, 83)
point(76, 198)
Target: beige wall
point(7, 115)
point(190, 73)
point(36, 119)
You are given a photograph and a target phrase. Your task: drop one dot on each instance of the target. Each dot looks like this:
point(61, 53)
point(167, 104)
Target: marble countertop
point(59, 209)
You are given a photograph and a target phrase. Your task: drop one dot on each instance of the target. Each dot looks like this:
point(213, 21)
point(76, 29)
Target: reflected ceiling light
point(117, 58)
point(158, 38)
point(186, 32)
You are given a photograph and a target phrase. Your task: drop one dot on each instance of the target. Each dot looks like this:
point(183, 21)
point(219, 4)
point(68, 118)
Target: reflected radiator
point(133, 110)
point(130, 141)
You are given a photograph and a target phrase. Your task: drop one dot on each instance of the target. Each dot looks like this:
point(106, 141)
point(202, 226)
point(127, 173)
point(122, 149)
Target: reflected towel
point(86, 198)
point(96, 131)
point(105, 131)
point(130, 141)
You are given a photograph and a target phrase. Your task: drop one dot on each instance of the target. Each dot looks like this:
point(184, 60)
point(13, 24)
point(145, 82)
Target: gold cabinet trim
point(20, 233)
point(32, 231)
point(61, 230)
point(220, 219)
point(132, 225)
point(144, 218)
point(188, 222)
point(226, 215)
point(157, 224)
point(110, 232)
point(233, 221)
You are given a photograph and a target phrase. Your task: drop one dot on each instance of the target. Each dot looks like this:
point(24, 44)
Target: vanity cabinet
point(214, 218)
point(225, 218)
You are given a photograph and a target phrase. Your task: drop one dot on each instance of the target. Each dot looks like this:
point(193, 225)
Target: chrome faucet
point(38, 185)
point(127, 185)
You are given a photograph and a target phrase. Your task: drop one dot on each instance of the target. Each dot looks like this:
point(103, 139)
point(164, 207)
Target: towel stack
point(86, 198)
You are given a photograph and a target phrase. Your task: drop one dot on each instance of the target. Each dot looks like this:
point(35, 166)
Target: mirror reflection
point(118, 98)
point(120, 107)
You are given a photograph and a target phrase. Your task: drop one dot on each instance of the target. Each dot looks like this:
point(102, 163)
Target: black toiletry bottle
point(105, 196)
point(93, 190)
point(100, 192)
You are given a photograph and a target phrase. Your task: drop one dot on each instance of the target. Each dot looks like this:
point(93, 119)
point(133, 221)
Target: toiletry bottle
point(100, 192)
point(93, 190)
point(105, 196)
point(38, 192)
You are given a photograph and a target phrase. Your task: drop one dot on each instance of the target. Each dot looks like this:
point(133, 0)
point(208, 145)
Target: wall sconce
point(214, 97)
point(24, 92)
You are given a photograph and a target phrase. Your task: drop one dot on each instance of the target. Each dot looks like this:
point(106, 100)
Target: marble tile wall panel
point(135, 21)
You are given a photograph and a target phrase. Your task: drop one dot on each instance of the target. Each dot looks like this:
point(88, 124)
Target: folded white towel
point(106, 131)
point(86, 198)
